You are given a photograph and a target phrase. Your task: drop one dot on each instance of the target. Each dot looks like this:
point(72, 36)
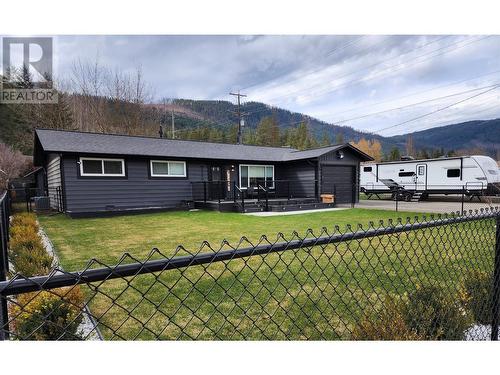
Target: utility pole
point(239, 114)
point(173, 124)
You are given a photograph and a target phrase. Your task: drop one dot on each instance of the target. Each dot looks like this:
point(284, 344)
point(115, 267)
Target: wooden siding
point(302, 175)
point(53, 179)
point(136, 190)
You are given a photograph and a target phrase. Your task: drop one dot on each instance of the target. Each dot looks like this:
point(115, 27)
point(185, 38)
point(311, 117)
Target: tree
point(339, 139)
point(268, 132)
point(325, 139)
point(12, 164)
point(370, 147)
point(394, 154)
point(410, 148)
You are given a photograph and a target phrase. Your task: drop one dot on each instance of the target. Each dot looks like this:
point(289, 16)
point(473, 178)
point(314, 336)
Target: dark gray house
point(87, 174)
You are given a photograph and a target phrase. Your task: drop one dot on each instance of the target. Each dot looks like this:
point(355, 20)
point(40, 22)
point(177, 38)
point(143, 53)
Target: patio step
point(300, 206)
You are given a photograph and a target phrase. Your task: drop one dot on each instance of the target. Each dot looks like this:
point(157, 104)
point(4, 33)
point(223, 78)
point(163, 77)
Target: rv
point(416, 179)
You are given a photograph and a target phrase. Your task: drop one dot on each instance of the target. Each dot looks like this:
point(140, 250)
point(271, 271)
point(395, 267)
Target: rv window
point(453, 173)
point(367, 169)
point(406, 174)
point(421, 170)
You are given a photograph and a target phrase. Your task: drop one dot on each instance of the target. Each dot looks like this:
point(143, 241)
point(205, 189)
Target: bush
point(32, 262)
point(428, 313)
point(24, 220)
point(44, 315)
point(436, 315)
point(478, 289)
point(26, 251)
point(389, 325)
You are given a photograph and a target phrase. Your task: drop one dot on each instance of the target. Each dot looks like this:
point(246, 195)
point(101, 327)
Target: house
point(88, 174)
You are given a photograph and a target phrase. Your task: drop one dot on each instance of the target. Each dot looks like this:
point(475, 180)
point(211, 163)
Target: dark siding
point(349, 159)
point(135, 191)
point(53, 179)
point(302, 176)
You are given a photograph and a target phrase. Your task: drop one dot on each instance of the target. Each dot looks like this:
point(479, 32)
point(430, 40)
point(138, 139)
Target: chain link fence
point(433, 278)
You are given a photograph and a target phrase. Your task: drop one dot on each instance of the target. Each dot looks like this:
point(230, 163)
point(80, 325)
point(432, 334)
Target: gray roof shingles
point(112, 144)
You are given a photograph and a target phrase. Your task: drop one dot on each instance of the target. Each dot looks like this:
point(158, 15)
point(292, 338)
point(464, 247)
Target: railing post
point(204, 191)
point(495, 300)
point(234, 191)
point(243, 200)
point(267, 200)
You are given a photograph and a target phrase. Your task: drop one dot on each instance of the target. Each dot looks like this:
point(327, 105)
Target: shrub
point(24, 220)
point(26, 252)
point(435, 314)
point(44, 315)
point(389, 325)
point(32, 262)
point(428, 313)
point(478, 288)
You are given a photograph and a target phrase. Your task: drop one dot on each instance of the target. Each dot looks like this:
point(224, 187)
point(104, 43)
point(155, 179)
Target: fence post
point(463, 193)
point(495, 300)
point(4, 263)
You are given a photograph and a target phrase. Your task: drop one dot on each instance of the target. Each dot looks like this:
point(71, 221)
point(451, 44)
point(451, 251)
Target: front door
point(221, 179)
point(421, 177)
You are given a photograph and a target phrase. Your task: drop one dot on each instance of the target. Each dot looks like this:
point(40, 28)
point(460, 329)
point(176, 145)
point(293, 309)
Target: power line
point(368, 67)
point(445, 49)
point(439, 109)
point(411, 105)
point(413, 94)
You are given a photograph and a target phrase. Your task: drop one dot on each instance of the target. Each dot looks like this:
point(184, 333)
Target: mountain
point(221, 113)
point(219, 116)
point(478, 135)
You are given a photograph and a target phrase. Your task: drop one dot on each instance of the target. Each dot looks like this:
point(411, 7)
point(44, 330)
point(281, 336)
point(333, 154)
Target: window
point(98, 167)
point(367, 169)
point(253, 175)
point(421, 170)
point(406, 174)
point(163, 168)
point(453, 173)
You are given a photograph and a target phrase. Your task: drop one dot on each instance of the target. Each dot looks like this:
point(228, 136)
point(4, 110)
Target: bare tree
point(12, 164)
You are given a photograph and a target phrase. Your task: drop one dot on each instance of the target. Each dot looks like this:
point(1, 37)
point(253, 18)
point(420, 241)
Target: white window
point(99, 167)
point(254, 175)
point(164, 168)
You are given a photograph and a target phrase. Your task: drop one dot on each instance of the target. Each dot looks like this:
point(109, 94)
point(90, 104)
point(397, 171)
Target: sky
point(382, 84)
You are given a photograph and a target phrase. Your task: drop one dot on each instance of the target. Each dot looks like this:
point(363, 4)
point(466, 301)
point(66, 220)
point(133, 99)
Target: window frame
point(248, 175)
point(453, 169)
point(102, 160)
point(368, 169)
point(406, 174)
point(153, 175)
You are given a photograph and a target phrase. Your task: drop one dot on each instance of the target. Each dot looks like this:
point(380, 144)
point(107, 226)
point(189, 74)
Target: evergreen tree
point(394, 155)
point(339, 139)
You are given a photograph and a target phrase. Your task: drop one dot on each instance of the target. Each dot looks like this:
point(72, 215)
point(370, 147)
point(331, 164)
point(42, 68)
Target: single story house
point(89, 174)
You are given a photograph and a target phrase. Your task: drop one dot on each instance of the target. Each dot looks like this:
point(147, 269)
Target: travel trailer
point(416, 179)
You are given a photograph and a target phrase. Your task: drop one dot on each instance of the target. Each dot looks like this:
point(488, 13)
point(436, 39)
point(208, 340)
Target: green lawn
point(316, 293)
point(78, 240)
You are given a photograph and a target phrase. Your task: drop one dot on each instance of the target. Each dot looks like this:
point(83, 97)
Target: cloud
point(334, 78)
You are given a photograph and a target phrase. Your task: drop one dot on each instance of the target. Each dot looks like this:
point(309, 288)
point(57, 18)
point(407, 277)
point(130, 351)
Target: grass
point(316, 293)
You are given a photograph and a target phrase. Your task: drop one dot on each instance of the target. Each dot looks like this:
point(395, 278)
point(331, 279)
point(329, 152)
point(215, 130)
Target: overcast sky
point(334, 78)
